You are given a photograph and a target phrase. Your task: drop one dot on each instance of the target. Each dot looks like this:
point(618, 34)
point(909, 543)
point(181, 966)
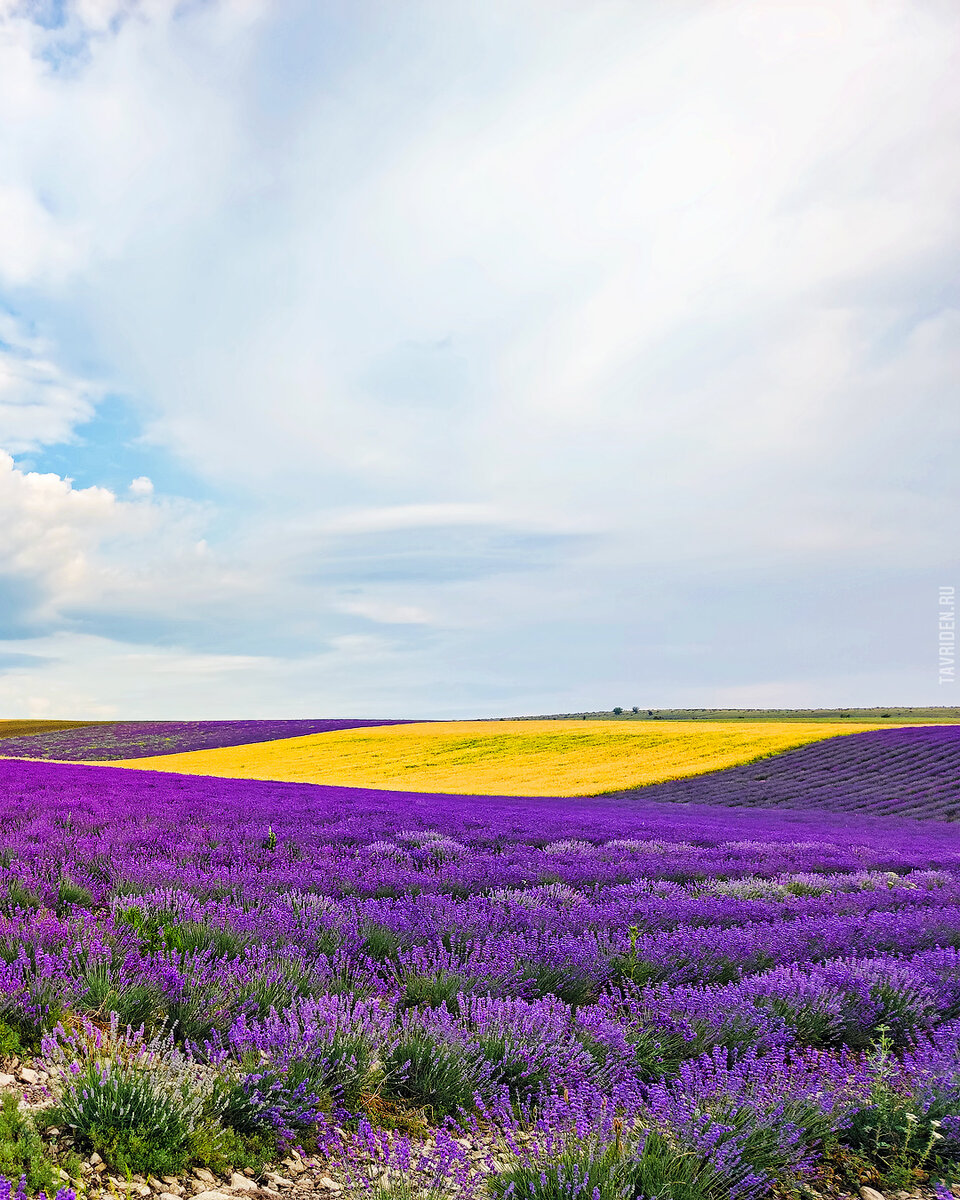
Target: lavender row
point(910, 772)
point(142, 739)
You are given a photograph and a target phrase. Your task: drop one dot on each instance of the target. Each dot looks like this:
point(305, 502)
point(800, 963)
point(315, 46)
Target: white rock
point(295, 1165)
point(869, 1193)
point(94, 1159)
point(240, 1183)
point(29, 1075)
point(205, 1176)
point(168, 1196)
point(326, 1182)
point(213, 1195)
point(6, 1080)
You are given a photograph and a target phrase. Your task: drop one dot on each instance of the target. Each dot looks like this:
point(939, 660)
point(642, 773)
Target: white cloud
point(410, 516)
point(70, 549)
point(40, 403)
point(673, 276)
point(385, 613)
point(34, 246)
point(141, 486)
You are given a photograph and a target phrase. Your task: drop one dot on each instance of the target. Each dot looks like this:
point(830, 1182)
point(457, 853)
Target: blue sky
point(451, 359)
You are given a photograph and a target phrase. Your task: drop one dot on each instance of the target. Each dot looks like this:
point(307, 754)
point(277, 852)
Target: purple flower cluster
point(9, 1192)
point(550, 968)
point(910, 772)
point(142, 739)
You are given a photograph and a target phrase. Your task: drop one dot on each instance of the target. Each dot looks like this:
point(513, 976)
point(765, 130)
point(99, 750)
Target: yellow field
point(514, 758)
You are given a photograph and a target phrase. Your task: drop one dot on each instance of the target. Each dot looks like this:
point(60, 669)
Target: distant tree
point(649, 712)
point(634, 709)
point(617, 711)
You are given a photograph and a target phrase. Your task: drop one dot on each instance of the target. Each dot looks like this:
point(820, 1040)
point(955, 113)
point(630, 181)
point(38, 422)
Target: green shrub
point(661, 1171)
point(219, 1149)
point(195, 1016)
point(891, 1135)
point(432, 991)
point(193, 937)
point(631, 966)
point(10, 1044)
point(346, 1069)
point(431, 1074)
point(18, 897)
point(72, 895)
point(272, 1101)
point(285, 982)
point(612, 1172)
point(813, 1022)
point(21, 1150)
point(124, 1115)
point(380, 943)
point(136, 1005)
point(657, 1054)
point(508, 1065)
point(568, 983)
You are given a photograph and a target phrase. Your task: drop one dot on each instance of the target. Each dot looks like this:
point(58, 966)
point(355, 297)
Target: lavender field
point(909, 772)
point(141, 739)
point(591, 998)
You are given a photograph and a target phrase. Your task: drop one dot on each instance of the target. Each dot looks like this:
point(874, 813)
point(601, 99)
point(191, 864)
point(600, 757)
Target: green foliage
point(132, 1149)
point(430, 1073)
point(346, 1070)
point(891, 1136)
point(432, 991)
point(406, 1188)
point(813, 1022)
point(904, 1012)
point(11, 1045)
point(662, 1172)
point(21, 1150)
point(128, 1119)
point(581, 1173)
point(630, 965)
point(147, 924)
point(18, 897)
point(567, 982)
point(657, 1053)
point(196, 1015)
point(658, 1171)
point(761, 1148)
point(260, 1102)
point(506, 1065)
point(193, 937)
point(220, 1148)
point(136, 1005)
point(72, 895)
point(380, 943)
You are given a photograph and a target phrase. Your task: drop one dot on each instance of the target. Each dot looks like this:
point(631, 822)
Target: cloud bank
point(506, 357)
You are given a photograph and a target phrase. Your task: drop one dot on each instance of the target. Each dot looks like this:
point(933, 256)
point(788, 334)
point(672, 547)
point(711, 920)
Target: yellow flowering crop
point(514, 758)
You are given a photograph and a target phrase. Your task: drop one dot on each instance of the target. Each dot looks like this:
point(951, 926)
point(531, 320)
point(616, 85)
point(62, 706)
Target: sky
point(476, 357)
